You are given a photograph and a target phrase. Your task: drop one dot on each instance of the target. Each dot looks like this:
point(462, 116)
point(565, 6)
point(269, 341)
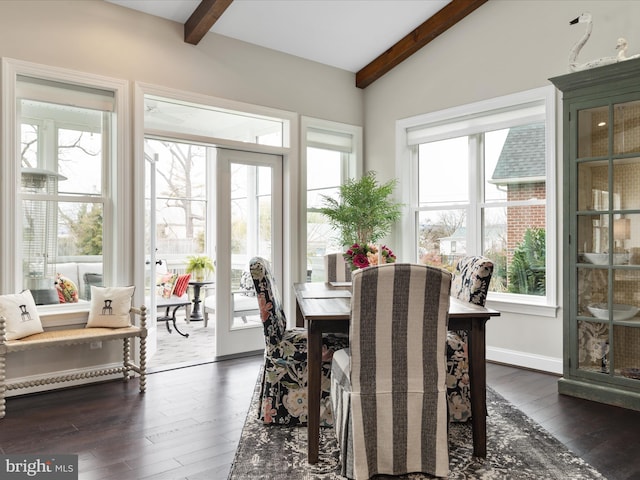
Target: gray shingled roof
point(522, 156)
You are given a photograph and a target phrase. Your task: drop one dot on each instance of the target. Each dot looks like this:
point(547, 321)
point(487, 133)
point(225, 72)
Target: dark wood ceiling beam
point(414, 41)
point(203, 18)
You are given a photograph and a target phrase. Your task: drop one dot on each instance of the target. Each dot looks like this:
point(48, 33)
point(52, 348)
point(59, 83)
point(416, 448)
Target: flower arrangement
point(361, 256)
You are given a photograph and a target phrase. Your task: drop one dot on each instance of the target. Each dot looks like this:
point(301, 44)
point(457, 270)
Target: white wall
point(106, 39)
point(503, 47)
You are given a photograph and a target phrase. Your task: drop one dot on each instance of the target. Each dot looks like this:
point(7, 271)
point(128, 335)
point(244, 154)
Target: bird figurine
point(621, 46)
point(575, 50)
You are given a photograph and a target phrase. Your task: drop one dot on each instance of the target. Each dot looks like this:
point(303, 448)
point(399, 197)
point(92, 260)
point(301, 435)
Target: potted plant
point(199, 266)
point(365, 211)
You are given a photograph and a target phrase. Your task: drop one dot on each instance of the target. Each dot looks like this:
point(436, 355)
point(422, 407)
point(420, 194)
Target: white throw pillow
point(110, 307)
point(21, 315)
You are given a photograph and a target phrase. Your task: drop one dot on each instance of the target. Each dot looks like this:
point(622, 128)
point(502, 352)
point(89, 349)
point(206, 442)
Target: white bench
point(73, 336)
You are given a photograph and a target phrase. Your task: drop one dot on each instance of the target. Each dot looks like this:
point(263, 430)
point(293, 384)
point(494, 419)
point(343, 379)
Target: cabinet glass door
point(607, 230)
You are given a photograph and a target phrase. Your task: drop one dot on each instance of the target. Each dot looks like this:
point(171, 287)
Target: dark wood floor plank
point(189, 422)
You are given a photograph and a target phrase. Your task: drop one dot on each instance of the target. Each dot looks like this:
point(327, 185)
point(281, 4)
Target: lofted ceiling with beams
point(366, 37)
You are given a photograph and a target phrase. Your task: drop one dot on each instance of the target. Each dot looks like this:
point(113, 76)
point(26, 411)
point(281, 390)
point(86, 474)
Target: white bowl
point(620, 311)
point(603, 258)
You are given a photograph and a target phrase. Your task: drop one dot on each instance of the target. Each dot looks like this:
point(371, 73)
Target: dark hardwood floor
point(188, 423)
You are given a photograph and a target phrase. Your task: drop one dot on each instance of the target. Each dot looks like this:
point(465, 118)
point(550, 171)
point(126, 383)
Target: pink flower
point(360, 260)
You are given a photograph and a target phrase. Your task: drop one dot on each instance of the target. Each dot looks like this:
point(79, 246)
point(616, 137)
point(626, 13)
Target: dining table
point(324, 307)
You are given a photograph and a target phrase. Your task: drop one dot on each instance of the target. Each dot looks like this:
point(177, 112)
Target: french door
point(226, 204)
point(248, 210)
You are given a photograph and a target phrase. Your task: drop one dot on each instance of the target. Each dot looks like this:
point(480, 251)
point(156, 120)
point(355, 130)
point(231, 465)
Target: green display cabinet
point(601, 233)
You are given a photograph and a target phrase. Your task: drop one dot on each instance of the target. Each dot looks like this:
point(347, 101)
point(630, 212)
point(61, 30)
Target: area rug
point(517, 448)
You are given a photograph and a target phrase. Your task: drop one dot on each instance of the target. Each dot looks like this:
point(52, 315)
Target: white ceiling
point(347, 34)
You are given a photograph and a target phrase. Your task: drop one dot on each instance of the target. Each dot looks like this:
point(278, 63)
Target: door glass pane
point(181, 203)
point(593, 292)
point(593, 346)
point(626, 348)
point(626, 295)
point(626, 129)
point(593, 132)
point(626, 183)
point(251, 235)
point(593, 239)
point(593, 193)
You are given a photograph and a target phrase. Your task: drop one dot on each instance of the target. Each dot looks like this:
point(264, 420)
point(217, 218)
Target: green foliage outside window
point(528, 266)
point(87, 230)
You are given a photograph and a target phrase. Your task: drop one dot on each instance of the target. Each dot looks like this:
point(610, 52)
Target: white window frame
point(353, 168)
point(117, 259)
point(469, 119)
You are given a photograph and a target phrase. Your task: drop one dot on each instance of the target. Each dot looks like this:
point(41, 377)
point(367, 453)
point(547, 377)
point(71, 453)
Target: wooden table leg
point(299, 316)
point(478, 379)
point(314, 353)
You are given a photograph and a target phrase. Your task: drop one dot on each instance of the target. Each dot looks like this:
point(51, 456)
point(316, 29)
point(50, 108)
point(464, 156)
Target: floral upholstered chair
point(283, 395)
point(470, 283)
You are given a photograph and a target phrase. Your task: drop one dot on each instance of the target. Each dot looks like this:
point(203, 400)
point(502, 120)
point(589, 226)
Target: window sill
point(64, 314)
point(523, 307)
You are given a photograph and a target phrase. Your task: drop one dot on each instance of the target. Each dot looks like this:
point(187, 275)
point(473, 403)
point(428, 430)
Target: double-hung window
point(482, 182)
point(332, 153)
point(62, 181)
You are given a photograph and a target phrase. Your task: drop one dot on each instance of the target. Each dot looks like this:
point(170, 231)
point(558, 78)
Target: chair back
point(471, 279)
point(336, 269)
point(272, 315)
point(397, 346)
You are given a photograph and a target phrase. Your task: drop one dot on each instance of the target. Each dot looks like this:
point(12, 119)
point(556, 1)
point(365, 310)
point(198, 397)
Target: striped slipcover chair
point(470, 283)
point(336, 268)
point(388, 389)
point(283, 395)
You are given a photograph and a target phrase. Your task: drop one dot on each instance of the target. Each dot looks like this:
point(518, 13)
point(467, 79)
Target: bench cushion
point(110, 307)
point(21, 315)
point(54, 338)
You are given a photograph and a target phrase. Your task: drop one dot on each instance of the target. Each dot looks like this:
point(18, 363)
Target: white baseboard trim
point(524, 359)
